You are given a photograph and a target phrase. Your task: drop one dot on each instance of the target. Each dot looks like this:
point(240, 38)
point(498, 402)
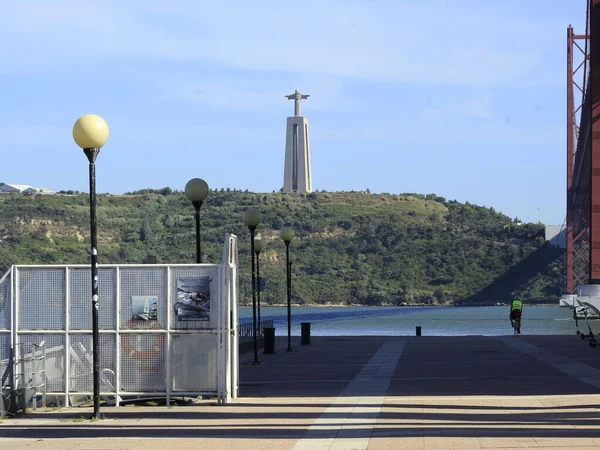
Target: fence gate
point(165, 330)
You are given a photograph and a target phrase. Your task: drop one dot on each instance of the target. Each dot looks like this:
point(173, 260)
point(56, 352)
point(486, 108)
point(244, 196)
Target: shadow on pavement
point(413, 420)
point(297, 395)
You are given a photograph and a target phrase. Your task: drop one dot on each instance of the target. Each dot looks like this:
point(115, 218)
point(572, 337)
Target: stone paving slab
point(366, 393)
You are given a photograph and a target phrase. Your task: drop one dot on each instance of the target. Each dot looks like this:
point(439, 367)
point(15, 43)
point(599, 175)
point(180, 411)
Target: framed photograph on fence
point(144, 307)
point(193, 298)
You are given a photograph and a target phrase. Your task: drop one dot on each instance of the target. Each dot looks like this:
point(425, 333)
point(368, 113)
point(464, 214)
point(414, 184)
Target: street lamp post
point(252, 220)
point(196, 190)
point(287, 234)
point(90, 132)
point(258, 246)
point(291, 263)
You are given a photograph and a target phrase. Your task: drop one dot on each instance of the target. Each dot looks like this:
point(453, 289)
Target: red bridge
point(583, 152)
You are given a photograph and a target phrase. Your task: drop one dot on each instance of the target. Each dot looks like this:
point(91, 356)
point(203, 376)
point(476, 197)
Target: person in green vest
point(516, 312)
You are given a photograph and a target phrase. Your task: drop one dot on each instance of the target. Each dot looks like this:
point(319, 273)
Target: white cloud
point(442, 133)
point(243, 94)
point(478, 108)
point(428, 42)
point(474, 108)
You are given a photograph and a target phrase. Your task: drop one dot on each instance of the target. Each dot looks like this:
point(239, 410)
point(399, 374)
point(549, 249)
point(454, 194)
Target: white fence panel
point(164, 329)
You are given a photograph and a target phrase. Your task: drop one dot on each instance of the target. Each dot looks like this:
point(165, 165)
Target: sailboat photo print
point(144, 307)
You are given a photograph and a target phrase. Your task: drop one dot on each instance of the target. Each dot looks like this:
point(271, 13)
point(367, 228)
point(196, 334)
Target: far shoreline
point(297, 305)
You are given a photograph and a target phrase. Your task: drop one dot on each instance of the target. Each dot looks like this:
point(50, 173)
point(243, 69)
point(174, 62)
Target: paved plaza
point(365, 393)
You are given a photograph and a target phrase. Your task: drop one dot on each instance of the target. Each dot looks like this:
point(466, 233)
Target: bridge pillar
point(578, 160)
point(571, 122)
point(594, 80)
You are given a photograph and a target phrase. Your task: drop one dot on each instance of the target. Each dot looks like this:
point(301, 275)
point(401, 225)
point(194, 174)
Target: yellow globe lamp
point(287, 234)
point(196, 190)
point(90, 131)
point(252, 218)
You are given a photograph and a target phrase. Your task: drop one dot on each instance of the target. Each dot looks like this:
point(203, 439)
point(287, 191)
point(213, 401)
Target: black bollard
point(418, 331)
point(269, 341)
point(305, 338)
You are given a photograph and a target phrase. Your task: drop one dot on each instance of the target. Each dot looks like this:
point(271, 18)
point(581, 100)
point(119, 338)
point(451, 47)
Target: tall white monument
point(297, 176)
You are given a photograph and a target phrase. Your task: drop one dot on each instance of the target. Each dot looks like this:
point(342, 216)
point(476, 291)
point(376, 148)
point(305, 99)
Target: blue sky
point(461, 98)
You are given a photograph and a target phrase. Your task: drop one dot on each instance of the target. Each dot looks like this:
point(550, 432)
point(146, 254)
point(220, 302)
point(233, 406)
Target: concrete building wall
point(34, 190)
point(24, 189)
point(14, 187)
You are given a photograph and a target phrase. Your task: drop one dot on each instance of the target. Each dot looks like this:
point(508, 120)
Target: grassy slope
point(351, 247)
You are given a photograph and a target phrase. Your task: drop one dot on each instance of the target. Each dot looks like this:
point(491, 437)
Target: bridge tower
point(577, 222)
point(583, 165)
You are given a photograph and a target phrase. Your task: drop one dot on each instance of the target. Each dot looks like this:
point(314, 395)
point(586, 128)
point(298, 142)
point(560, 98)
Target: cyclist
point(516, 311)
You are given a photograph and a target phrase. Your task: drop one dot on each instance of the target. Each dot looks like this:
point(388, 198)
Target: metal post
point(289, 296)
point(67, 354)
point(91, 154)
point(570, 157)
point(234, 325)
point(594, 189)
point(256, 361)
point(197, 206)
point(117, 354)
point(168, 354)
point(220, 345)
point(14, 349)
point(12, 382)
point(258, 289)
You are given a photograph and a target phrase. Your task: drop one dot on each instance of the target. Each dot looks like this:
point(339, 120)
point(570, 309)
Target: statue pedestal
point(297, 175)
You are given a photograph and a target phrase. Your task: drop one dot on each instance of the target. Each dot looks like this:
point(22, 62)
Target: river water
point(402, 321)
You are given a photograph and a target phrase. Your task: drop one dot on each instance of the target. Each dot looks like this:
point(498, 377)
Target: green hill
point(352, 247)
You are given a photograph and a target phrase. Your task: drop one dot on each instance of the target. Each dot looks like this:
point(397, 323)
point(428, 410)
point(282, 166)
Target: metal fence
point(246, 329)
point(165, 330)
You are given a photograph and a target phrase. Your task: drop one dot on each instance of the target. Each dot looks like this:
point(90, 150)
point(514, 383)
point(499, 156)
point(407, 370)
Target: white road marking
point(348, 423)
